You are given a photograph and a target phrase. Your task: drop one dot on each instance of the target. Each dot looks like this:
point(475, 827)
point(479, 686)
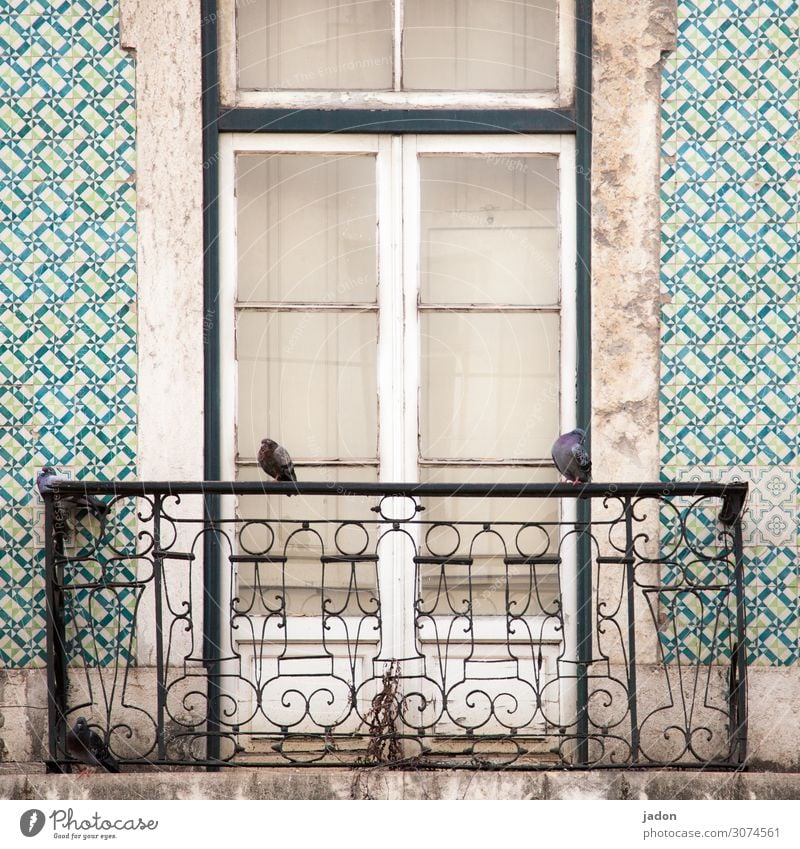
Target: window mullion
point(390, 330)
point(411, 319)
point(396, 591)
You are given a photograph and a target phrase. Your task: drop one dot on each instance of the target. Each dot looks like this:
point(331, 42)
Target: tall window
point(397, 305)
point(400, 305)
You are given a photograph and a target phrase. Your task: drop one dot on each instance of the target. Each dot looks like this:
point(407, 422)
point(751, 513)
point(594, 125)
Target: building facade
point(691, 308)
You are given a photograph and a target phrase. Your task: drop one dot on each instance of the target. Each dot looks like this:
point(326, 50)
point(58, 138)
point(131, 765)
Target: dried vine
point(384, 743)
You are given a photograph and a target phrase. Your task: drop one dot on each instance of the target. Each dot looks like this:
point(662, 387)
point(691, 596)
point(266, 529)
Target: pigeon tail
point(109, 764)
point(99, 509)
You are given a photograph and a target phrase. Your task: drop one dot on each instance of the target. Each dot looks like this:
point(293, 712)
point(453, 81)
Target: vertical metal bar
point(631, 587)
point(583, 172)
point(740, 693)
point(211, 362)
point(161, 673)
point(56, 660)
point(584, 630)
point(212, 624)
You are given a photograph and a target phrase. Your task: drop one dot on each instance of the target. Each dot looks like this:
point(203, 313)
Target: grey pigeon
point(74, 501)
point(274, 459)
point(571, 458)
point(88, 747)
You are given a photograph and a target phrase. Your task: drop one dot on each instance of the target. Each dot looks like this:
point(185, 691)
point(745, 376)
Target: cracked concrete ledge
point(318, 784)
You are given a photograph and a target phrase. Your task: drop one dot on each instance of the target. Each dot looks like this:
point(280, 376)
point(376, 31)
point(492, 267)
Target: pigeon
point(88, 747)
point(274, 459)
point(571, 458)
point(48, 476)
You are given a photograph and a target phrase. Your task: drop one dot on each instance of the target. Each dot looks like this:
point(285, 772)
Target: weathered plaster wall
point(166, 40)
point(629, 40)
point(23, 719)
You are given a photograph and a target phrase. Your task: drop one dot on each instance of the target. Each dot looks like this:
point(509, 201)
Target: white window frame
point(398, 356)
point(231, 96)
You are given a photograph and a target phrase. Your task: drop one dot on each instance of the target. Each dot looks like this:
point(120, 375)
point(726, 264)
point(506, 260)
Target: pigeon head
point(270, 444)
point(45, 477)
point(579, 431)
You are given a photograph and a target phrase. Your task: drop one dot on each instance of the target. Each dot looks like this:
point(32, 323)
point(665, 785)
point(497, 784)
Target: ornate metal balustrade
point(431, 625)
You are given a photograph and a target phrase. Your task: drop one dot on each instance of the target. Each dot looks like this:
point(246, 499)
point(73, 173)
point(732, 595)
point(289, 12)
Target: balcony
point(513, 626)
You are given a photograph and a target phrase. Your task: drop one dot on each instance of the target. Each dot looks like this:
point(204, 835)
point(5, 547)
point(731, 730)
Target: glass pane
point(489, 385)
point(306, 228)
point(273, 525)
point(307, 379)
point(314, 44)
point(489, 509)
point(483, 582)
point(489, 229)
point(498, 45)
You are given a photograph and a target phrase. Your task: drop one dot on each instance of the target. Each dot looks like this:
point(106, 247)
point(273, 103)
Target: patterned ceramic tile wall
point(730, 344)
point(67, 280)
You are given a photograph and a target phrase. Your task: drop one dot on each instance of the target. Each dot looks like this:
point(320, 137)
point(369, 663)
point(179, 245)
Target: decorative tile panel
point(730, 270)
point(67, 289)
point(771, 511)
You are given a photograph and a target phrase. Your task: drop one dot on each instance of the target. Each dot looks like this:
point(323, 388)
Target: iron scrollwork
point(407, 625)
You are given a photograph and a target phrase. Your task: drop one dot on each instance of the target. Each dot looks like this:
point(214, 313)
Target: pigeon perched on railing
point(88, 747)
point(72, 501)
point(274, 459)
point(571, 457)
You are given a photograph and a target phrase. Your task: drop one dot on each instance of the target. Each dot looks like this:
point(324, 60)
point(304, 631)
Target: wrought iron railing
point(419, 626)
